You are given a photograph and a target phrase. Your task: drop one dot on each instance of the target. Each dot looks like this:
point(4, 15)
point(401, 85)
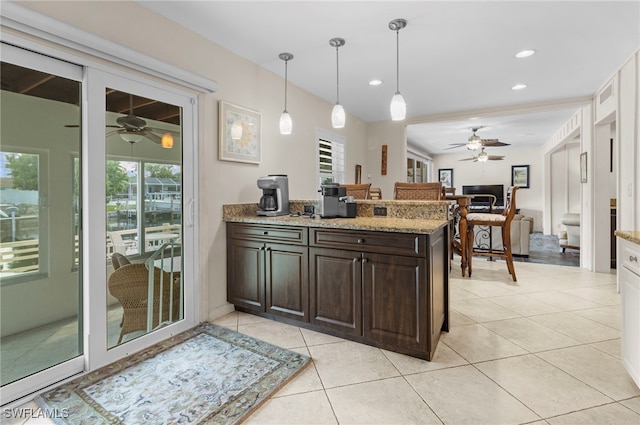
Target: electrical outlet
point(309, 209)
point(380, 211)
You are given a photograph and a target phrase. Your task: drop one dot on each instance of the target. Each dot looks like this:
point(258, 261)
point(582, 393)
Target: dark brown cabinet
point(390, 289)
point(336, 290)
point(385, 289)
point(265, 276)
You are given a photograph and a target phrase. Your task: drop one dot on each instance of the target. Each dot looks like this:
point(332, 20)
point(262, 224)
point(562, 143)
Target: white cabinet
point(629, 281)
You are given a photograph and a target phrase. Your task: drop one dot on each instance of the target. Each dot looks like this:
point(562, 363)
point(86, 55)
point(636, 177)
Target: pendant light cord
point(397, 61)
point(337, 77)
point(286, 66)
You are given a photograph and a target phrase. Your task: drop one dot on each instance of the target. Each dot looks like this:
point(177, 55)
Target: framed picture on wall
point(445, 175)
point(239, 138)
point(520, 176)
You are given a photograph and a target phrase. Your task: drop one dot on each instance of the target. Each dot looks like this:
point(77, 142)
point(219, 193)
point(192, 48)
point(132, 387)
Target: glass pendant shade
point(131, 137)
point(167, 141)
point(474, 143)
point(338, 116)
point(286, 124)
point(483, 156)
point(398, 107)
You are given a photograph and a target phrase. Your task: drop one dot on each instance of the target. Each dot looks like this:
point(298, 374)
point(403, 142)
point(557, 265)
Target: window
point(331, 158)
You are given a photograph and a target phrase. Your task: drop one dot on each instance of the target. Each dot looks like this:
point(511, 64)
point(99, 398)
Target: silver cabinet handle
point(364, 260)
point(633, 258)
point(360, 240)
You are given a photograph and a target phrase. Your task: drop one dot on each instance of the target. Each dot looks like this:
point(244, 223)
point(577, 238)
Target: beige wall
point(239, 82)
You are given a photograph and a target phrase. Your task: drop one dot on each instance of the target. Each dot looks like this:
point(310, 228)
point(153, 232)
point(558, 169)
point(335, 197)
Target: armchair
point(521, 229)
point(570, 238)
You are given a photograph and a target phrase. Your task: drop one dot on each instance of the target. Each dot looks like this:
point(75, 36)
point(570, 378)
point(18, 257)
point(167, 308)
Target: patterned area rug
point(207, 375)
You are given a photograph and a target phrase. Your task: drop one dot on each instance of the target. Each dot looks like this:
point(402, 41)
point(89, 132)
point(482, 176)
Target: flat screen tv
point(496, 190)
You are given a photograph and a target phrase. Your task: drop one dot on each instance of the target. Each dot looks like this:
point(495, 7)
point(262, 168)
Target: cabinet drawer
point(267, 233)
point(382, 242)
point(630, 257)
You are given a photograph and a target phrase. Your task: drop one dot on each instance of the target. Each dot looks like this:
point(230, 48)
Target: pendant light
point(474, 141)
point(286, 125)
point(398, 107)
point(483, 156)
point(338, 117)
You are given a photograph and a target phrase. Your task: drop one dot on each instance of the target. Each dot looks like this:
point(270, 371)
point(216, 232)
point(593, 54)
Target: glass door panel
point(144, 215)
point(40, 256)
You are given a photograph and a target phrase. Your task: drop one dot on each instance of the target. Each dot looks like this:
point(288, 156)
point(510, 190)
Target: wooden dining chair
point(418, 191)
point(498, 220)
point(358, 191)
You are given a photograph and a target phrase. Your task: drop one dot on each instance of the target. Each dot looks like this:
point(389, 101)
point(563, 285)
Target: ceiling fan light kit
point(398, 107)
point(338, 116)
point(286, 123)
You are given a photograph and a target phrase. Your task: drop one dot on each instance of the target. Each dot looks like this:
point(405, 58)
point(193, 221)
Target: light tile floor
point(544, 350)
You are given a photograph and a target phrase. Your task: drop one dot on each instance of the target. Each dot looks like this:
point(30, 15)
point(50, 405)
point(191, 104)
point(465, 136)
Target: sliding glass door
point(95, 167)
point(40, 234)
point(144, 210)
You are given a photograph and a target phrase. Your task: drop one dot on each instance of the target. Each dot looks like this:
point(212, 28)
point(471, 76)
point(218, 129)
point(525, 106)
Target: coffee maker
point(334, 202)
point(275, 195)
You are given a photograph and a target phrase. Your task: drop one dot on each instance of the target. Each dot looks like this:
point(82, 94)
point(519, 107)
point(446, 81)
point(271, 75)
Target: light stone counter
point(423, 217)
point(630, 235)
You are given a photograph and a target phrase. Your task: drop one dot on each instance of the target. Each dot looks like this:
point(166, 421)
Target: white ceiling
point(454, 56)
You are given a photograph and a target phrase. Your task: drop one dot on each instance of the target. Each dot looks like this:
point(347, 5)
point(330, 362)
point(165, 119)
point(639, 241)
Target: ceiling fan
point(133, 129)
point(483, 156)
point(475, 142)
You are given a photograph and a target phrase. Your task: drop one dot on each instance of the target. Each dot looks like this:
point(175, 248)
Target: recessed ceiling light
point(519, 87)
point(525, 53)
point(375, 82)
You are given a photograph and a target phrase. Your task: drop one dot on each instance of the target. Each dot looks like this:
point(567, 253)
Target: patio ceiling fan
point(475, 142)
point(483, 156)
point(133, 129)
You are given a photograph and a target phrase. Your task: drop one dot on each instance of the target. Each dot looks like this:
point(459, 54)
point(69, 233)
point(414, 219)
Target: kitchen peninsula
point(378, 280)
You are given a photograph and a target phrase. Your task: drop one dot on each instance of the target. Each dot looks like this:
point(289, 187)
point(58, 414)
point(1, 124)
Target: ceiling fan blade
point(153, 137)
point(495, 158)
point(469, 159)
point(494, 143)
point(455, 145)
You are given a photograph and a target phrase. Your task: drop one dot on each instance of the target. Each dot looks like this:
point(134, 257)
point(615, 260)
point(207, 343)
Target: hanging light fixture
point(398, 107)
point(286, 124)
point(338, 117)
point(483, 156)
point(167, 141)
point(474, 142)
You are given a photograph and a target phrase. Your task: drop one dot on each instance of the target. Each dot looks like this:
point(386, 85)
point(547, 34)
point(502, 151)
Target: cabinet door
point(630, 344)
point(336, 289)
point(395, 300)
point(287, 281)
point(245, 274)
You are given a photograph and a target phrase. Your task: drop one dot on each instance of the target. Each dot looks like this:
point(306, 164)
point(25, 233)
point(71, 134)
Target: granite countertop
point(380, 224)
point(630, 235)
point(422, 218)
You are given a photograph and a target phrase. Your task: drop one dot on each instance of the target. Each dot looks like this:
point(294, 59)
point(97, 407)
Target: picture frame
point(239, 137)
point(445, 176)
point(583, 167)
point(520, 176)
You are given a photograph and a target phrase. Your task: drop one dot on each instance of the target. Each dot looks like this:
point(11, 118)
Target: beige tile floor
point(544, 350)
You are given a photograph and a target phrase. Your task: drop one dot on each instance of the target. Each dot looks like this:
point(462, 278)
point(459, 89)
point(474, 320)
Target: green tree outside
point(117, 179)
point(24, 171)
